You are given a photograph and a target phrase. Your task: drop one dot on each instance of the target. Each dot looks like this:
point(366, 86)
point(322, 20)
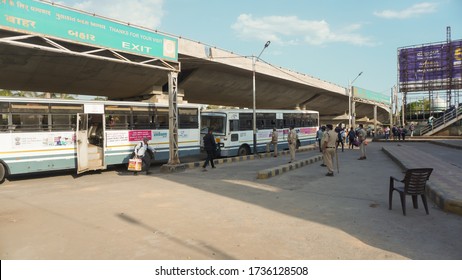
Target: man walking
point(340, 137)
point(351, 138)
point(328, 147)
point(210, 147)
point(274, 141)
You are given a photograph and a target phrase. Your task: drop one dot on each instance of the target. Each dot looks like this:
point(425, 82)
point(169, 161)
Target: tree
point(5, 92)
point(417, 109)
point(62, 96)
point(418, 106)
point(102, 98)
point(30, 94)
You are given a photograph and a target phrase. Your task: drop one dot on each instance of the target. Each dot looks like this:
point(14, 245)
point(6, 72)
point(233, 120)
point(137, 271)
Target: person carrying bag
point(145, 153)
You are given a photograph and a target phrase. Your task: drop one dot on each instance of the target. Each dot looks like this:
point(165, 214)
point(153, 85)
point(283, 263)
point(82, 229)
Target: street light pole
point(350, 97)
point(254, 61)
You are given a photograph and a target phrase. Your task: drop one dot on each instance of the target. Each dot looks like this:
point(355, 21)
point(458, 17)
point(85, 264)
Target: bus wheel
point(2, 173)
point(243, 151)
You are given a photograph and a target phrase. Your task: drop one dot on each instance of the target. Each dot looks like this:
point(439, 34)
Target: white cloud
point(146, 13)
point(290, 30)
point(413, 11)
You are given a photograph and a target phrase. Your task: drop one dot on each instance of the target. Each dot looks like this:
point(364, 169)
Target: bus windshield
point(216, 122)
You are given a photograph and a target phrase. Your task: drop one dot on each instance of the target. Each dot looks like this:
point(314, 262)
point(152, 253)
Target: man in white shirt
point(146, 152)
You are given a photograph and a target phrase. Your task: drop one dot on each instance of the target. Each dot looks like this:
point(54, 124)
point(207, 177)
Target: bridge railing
point(443, 120)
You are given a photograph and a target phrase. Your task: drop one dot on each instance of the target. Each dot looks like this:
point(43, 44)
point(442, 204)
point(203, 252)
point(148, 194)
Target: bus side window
point(280, 124)
point(233, 125)
point(30, 122)
point(161, 119)
point(245, 121)
point(4, 122)
point(62, 122)
point(188, 118)
point(300, 120)
point(261, 124)
point(142, 121)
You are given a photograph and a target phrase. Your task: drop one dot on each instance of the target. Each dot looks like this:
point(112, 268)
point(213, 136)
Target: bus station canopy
point(36, 63)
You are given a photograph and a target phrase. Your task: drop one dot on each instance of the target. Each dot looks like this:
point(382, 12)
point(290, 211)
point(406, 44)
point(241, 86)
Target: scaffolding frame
point(432, 70)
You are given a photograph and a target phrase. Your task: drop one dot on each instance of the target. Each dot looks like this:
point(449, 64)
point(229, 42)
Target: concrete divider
point(271, 172)
point(248, 157)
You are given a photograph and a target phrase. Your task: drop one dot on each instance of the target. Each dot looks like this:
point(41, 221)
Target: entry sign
point(41, 18)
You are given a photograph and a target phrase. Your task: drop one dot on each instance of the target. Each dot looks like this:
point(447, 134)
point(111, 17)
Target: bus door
point(90, 138)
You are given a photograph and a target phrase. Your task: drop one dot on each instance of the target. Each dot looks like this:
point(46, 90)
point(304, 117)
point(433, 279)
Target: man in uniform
point(274, 141)
point(328, 147)
point(292, 140)
point(362, 141)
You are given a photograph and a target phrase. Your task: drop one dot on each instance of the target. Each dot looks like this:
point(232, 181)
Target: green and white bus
point(233, 128)
point(38, 135)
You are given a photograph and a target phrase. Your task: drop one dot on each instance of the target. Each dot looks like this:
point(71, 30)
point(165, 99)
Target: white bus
point(54, 134)
point(233, 128)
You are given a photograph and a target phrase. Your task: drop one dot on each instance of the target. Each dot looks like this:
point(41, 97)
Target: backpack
point(352, 134)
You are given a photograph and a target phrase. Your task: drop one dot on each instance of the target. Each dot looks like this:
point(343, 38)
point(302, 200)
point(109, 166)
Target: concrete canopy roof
point(214, 77)
point(34, 64)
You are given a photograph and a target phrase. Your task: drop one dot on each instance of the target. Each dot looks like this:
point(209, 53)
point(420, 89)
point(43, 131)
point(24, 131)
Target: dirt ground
point(224, 213)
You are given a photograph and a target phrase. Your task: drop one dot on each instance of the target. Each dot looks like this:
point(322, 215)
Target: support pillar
point(353, 113)
point(173, 164)
point(375, 121)
point(353, 108)
point(392, 100)
point(403, 109)
point(349, 105)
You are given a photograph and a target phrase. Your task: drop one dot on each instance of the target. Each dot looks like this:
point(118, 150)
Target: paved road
point(226, 213)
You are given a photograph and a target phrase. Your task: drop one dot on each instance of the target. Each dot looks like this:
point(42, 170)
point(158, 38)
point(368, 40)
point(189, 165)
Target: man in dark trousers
point(146, 152)
point(210, 147)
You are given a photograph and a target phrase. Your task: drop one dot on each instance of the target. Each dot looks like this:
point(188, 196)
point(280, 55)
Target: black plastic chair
point(414, 184)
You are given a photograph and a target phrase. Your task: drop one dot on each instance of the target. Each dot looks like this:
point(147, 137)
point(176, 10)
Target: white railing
point(446, 119)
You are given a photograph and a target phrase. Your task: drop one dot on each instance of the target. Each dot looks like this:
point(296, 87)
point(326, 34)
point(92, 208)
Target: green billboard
point(41, 18)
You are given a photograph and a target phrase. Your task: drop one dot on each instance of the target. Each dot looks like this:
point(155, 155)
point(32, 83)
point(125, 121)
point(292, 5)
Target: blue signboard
point(42, 18)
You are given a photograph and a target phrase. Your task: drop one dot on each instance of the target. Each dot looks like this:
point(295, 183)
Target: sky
point(333, 40)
